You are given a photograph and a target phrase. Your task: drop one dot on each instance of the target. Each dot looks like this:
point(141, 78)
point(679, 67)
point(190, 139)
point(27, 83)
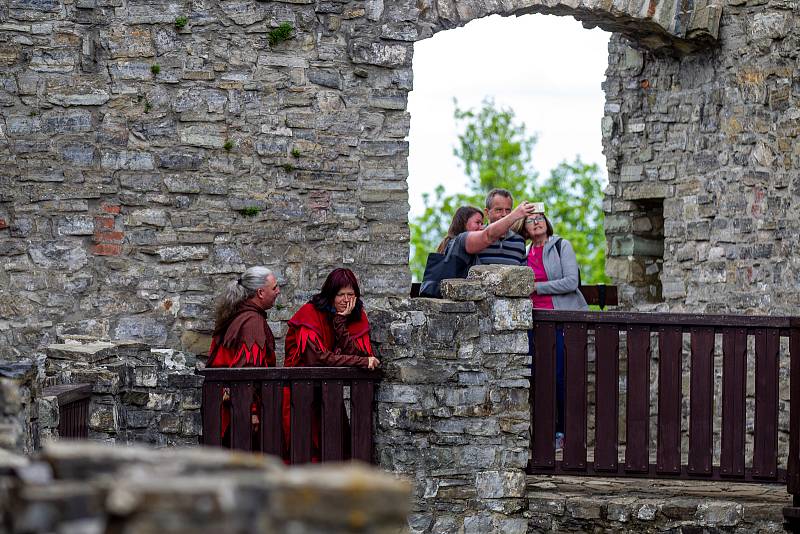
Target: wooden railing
point(670, 329)
point(318, 397)
point(73, 408)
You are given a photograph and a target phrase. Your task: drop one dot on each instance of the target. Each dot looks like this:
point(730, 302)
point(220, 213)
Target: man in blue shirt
point(510, 250)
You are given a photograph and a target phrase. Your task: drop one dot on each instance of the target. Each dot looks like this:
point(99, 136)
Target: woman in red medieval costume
point(242, 337)
point(331, 330)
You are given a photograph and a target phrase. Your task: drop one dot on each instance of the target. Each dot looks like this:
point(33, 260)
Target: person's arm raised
point(477, 241)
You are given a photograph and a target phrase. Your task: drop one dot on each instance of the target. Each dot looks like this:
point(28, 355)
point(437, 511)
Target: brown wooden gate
point(608, 327)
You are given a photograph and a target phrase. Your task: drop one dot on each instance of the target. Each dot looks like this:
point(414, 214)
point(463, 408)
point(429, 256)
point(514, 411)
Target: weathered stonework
point(143, 163)
point(452, 410)
point(577, 504)
point(90, 488)
point(20, 387)
point(139, 394)
point(703, 169)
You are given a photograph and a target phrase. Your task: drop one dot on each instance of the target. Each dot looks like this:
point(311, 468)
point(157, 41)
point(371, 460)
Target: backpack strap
point(558, 249)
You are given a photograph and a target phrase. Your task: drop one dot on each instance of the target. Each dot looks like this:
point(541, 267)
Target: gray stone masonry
point(20, 385)
point(702, 207)
point(87, 488)
point(150, 150)
point(633, 506)
point(139, 395)
point(452, 411)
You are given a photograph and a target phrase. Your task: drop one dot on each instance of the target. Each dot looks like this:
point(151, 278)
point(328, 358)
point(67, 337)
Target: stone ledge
point(579, 504)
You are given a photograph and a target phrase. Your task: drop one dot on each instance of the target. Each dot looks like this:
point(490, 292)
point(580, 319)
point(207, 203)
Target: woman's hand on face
point(348, 308)
point(373, 362)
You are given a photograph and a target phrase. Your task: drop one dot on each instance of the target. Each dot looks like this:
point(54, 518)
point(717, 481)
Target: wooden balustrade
point(608, 327)
point(317, 397)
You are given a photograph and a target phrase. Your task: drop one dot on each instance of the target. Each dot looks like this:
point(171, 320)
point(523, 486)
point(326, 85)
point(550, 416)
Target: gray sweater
point(562, 276)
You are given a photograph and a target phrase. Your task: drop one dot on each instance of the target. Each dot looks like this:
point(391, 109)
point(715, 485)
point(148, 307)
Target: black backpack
point(439, 267)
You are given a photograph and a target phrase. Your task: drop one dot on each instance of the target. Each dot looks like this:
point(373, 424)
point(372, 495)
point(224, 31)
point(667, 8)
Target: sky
point(548, 69)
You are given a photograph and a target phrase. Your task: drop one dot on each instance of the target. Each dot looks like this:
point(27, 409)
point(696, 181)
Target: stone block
point(512, 314)
point(511, 343)
point(463, 290)
point(500, 484)
point(584, 508)
point(647, 191)
point(127, 160)
point(169, 424)
point(47, 411)
point(104, 418)
point(383, 54)
point(719, 514)
point(502, 280)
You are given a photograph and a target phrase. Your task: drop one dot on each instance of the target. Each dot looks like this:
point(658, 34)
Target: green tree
point(496, 151)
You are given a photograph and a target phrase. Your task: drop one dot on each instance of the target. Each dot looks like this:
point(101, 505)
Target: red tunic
point(244, 340)
point(322, 339)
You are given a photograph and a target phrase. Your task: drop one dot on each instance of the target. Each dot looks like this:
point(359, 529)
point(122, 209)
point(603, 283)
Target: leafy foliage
point(181, 22)
point(282, 33)
point(250, 211)
point(496, 151)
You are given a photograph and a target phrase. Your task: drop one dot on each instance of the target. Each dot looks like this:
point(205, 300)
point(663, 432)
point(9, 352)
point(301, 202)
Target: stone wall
point(452, 410)
point(150, 150)
point(139, 394)
point(708, 144)
point(90, 489)
point(20, 387)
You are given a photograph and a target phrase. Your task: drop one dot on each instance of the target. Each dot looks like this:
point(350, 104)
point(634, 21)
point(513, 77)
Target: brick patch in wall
point(106, 249)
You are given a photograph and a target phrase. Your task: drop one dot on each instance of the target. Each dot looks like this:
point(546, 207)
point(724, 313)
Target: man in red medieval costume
point(331, 330)
point(242, 337)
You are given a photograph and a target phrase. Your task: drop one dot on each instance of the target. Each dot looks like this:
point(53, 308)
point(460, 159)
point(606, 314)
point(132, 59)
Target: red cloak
point(312, 340)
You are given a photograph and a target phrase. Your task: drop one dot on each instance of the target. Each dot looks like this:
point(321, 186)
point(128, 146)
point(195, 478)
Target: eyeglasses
point(534, 220)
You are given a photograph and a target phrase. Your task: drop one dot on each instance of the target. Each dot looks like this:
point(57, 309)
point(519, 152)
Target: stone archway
point(146, 161)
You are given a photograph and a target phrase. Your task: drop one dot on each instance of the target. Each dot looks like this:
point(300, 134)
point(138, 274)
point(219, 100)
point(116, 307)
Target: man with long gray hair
point(242, 337)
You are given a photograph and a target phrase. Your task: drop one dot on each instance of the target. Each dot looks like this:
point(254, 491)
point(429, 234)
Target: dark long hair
point(336, 280)
point(458, 225)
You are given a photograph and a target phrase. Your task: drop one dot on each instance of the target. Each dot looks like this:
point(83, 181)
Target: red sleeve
point(314, 355)
point(344, 343)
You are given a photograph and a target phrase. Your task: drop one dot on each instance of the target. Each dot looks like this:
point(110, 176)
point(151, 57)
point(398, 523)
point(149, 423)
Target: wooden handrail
point(646, 332)
point(73, 408)
point(226, 374)
point(68, 393)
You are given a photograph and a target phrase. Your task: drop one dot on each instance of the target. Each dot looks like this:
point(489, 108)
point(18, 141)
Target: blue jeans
point(559, 373)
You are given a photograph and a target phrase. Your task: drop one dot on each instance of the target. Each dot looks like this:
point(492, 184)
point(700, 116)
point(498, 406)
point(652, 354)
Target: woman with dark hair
point(465, 238)
point(465, 219)
point(331, 330)
point(554, 264)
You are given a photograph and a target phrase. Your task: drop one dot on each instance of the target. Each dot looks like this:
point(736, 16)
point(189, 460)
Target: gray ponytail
point(238, 291)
